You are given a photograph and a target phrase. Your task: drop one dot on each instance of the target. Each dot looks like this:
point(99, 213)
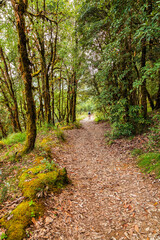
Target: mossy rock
point(41, 179)
point(20, 218)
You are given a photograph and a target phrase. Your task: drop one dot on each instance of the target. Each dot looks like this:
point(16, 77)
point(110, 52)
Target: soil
point(109, 197)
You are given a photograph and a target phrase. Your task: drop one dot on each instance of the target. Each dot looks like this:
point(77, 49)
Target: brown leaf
point(136, 228)
point(130, 207)
point(34, 221)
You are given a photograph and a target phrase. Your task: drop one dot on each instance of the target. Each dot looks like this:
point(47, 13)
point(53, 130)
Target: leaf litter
point(109, 198)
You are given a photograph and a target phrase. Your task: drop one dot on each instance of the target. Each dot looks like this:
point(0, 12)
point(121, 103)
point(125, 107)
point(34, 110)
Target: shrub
point(122, 130)
point(154, 135)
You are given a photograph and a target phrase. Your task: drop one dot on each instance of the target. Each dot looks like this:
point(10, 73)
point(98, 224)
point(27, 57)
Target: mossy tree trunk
point(158, 95)
point(20, 9)
point(4, 133)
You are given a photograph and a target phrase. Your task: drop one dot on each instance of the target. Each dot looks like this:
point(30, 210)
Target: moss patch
point(42, 178)
point(150, 163)
point(34, 182)
point(20, 218)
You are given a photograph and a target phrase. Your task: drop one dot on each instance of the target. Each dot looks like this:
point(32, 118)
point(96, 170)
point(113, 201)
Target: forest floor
point(109, 197)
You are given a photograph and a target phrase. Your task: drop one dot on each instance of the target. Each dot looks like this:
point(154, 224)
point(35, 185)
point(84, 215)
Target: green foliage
point(154, 135)
point(15, 138)
point(3, 236)
point(122, 130)
point(150, 163)
point(46, 127)
point(100, 117)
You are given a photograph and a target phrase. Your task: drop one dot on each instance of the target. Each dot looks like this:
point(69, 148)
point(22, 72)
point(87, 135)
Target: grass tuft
point(15, 138)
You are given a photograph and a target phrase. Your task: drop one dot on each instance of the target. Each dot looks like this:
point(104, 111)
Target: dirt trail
point(109, 197)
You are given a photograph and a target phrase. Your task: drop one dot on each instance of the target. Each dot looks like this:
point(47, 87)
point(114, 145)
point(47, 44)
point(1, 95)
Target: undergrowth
point(149, 161)
point(14, 138)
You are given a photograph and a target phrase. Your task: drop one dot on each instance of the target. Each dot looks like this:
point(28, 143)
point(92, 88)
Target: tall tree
point(20, 9)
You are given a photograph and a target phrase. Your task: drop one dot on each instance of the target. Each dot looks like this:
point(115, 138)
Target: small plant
point(31, 203)
point(3, 236)
point(33, 214)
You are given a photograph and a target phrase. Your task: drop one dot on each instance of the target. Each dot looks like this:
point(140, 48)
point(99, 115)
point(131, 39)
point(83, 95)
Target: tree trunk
point(158, 96)
point(150, 100)
point(143, 87)
point(4, 134)
point(9, 84)
point(74, 97)
point(20, 9)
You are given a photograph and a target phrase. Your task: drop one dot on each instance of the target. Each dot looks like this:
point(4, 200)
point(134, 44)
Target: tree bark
point(143, 87)
point(158, 96)
point(4, 133)
point(9, 84)
point(20, 9)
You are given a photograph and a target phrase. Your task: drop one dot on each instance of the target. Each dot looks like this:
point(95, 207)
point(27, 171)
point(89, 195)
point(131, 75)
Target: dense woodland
point(62, 57)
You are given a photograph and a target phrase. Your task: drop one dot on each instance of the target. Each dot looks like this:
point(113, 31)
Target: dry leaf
point(136, 228)
point(34, 221)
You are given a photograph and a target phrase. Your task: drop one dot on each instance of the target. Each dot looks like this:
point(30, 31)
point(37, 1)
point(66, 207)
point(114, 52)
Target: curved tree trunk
point(20, 9)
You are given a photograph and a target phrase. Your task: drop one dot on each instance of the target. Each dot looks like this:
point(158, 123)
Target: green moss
point(36, 180)
point(150, 163)
point(20, 218)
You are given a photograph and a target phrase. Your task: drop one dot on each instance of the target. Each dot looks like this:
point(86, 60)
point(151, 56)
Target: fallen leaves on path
point(108, 199)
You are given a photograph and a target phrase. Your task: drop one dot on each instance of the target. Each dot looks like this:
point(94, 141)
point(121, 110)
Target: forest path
point(109, 197)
